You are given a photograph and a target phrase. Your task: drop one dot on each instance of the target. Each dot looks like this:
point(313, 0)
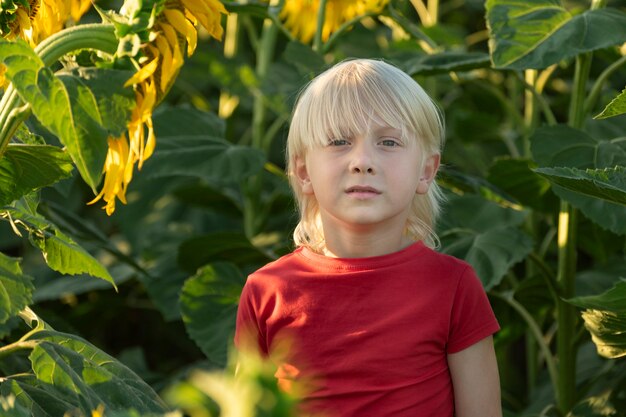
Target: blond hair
point(342, 100)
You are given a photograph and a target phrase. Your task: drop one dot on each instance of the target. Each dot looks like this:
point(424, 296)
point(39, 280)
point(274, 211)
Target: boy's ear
point(303, 175)
point(429, 170)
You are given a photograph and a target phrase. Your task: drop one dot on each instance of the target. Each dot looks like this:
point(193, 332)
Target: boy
point(377, 322)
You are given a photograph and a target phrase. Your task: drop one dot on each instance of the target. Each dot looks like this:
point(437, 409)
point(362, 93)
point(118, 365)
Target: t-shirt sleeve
point(247, 332)
point(472, 318)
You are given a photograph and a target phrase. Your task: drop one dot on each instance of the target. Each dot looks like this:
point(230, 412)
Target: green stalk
point(252, 186)
point(591, 100)
point(93, 36)
point(321, 18)
point(535, 330)
point(566, 275)
point(264, 59)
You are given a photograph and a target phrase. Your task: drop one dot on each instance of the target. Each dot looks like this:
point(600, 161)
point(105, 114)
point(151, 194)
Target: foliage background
point(212, 204)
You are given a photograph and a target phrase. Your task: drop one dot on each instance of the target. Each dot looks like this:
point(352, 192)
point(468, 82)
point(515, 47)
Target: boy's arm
point(476, 381)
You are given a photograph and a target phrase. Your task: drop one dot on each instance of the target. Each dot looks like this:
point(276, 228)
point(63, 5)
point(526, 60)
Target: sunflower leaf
point(72, 374)
point(15, 288)
point(560, 147)
point(60, 252)
point(69, 113)
point(208, 303)
point(616, 107)
point(539, 33)
point(26, 168)
point(485, 235)
point(605, 318)
point(605, 184)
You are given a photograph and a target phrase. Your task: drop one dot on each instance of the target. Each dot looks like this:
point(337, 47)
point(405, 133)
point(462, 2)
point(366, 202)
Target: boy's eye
point(389, 142)
point(337, 142)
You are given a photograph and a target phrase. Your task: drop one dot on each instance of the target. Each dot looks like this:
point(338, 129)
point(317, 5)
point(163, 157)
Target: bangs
point(343, 102)
point(346, 107)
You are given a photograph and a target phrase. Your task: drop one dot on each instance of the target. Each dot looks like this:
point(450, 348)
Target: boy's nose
point(361, 162)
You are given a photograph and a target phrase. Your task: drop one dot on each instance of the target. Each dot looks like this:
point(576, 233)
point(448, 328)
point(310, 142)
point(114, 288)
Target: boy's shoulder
point(277, 267)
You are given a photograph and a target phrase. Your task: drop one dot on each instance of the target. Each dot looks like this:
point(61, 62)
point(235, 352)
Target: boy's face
point(366, 180)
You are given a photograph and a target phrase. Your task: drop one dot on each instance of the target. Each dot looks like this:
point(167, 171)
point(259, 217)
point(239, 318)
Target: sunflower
point(297, 15)
point(161, 58)
point(35, 20)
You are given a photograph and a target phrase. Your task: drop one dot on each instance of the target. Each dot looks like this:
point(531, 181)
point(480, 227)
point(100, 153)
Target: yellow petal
point(177, 56)
point(183, 26)
point(143, 73)
point(163, 48)
point(78, 8)
point(150, 143)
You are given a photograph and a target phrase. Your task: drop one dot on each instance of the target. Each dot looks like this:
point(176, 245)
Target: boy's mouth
point(358, 189)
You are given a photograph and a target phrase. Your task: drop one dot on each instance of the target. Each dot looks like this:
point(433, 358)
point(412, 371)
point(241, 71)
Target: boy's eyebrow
point(388, 130)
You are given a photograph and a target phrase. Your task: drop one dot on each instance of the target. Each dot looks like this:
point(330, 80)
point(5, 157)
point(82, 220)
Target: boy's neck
point(354, 245)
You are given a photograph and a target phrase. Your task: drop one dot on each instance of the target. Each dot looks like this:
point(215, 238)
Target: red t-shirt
point(368, 336)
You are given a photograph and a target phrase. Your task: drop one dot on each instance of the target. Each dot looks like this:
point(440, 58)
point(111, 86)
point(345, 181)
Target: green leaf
point(60, 252)
point(539, 33)
point(64, 114)
point(445, 62)
point(208, 303)
point(517, 179)
point(210, 158)
point(85, 376)
point(26, 168)
point(304, 58)
point(605, 184)
point(9, 407)
point(168, 121)
point(39, 399)
point(605, 318)
point(566, 147)
point(114, 102)
point(485, 235)
point(616, 107)
point(16, 289)
point(219, 246)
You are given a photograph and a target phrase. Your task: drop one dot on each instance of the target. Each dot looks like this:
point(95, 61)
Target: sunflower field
point(142, 179)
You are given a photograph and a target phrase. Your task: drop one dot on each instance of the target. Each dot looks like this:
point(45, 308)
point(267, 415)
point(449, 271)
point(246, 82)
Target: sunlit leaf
point(539, 33)
point(605, 184)
point(616, 107)
point(39, 399)
point(82, 375)
point(208, 303)
point(485, 235)
point(15, 288)
point(566, 147)
point(60, 252)
point(73, 118)
point(605, 318)
point(26, 168)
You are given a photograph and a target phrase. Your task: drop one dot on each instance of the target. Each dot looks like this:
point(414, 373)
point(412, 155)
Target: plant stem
point(566, 275)
point(17, 346)
point(321, 18)
point(591, 100)
point(535, 331)
point(566, 313)
point(264, 59)
point(252, 186)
